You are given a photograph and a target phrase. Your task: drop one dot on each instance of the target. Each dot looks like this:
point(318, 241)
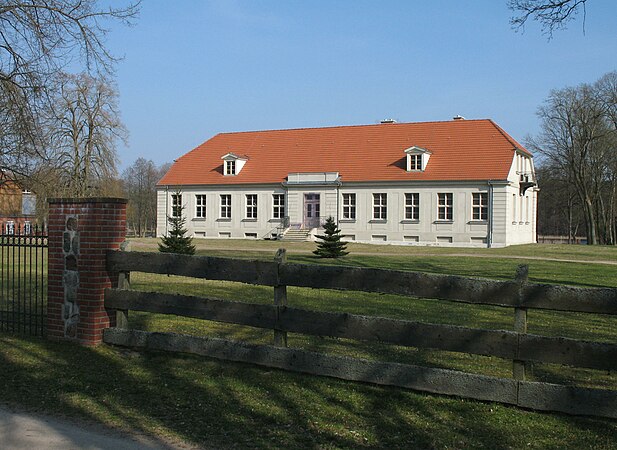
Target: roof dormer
point(233, 164)
point(417, 159)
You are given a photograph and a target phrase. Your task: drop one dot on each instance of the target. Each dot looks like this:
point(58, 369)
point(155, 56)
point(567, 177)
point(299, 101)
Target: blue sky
point(195, 68)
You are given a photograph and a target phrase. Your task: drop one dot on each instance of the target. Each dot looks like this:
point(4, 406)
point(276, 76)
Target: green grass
point(220, 405)
point(577, 252)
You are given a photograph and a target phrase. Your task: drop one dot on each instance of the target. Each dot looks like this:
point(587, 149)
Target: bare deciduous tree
point(140, 188)
point(552, 14)
point(18, 143)
point(579, 138)
point(38, 38)
point(84, 126)
point(559, 207)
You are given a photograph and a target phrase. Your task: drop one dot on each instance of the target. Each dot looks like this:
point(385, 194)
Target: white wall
point(213, 226)
point(428, 230)
point(462, 231)
point(521, 210)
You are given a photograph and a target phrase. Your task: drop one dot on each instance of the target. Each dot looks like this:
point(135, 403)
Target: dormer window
point(232, 164)
point(417, 159)
point(230, 167)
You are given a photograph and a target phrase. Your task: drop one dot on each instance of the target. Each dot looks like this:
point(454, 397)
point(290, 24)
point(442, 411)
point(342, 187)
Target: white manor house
point(463, 183)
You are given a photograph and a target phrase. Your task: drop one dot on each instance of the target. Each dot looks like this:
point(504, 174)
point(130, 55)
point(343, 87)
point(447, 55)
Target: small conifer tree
point(175, 241)
point(331, 245)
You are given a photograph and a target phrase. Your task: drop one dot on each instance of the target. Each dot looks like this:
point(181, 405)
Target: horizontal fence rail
point(519, 346)
point(411, 284)
point(532, 395)
point(503, 344)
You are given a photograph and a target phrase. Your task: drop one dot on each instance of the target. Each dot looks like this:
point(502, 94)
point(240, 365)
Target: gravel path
point(25, 431)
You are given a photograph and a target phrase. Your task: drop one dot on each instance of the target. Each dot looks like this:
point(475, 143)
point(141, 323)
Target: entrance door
point(311, 210)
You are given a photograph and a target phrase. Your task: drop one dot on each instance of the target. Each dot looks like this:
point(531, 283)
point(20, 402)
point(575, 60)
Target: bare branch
point(552, 14)
point(38, 39)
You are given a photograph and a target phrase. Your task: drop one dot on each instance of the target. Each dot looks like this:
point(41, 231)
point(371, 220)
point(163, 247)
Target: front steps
point(296, 235)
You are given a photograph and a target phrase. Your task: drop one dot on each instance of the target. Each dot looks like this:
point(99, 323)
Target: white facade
point(458, 213)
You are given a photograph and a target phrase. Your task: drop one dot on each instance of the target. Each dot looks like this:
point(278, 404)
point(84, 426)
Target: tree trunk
point(592, 238)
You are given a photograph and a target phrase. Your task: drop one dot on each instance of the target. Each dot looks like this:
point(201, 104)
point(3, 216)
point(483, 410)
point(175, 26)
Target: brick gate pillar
point(81, 231)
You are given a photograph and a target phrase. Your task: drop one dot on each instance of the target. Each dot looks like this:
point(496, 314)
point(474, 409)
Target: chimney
point(458, 117)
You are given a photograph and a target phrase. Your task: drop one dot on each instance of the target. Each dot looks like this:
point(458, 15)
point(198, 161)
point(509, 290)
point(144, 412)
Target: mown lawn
point(225, 405)
point(219, 405)
point(581, 326)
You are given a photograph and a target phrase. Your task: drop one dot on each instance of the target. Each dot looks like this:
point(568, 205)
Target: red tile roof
point(460, 150)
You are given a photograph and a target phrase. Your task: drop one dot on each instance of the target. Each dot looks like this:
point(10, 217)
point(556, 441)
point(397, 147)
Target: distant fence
point(546, 239)
point(516, 345)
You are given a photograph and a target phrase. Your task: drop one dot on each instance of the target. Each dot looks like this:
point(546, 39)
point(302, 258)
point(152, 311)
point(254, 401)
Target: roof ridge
point(332, 127)
point(510, 139)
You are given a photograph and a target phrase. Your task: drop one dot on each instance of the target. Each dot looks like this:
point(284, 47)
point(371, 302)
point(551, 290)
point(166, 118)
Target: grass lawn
point(221, 405)
point(218, 404)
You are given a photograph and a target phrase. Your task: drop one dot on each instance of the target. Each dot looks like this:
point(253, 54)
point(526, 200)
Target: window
point(480, 206)
point(9, 227)
point(230, 167)
point(278, 202)
point(27, 227)
point(226, 206)
point(380, 206)
point(349, 206)
point(176, 205)
point(412, 206)
point(251, 206)
point(415, 162)
point(200, 209)
point(520, 209)
point(444, 208)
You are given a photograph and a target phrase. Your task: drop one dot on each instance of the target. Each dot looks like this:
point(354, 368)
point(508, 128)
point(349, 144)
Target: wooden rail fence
point(519, 346)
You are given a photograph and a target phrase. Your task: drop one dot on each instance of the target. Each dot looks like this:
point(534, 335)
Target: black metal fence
point(23, 279)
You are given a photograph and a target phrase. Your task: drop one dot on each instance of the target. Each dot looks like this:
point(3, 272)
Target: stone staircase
point(296, 235)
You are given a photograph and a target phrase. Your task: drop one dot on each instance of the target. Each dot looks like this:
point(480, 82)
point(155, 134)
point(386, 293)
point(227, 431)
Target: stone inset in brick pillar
point(81, 231)
point(70, 277)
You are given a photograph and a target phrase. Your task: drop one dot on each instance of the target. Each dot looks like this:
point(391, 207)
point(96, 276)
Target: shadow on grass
point(218, 404)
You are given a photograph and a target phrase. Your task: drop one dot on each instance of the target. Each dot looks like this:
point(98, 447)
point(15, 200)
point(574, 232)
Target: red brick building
point(17, 208)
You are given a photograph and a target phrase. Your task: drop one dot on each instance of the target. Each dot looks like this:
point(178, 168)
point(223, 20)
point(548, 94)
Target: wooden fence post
point(520, 321)
point(122, 315)
point(280, 299)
